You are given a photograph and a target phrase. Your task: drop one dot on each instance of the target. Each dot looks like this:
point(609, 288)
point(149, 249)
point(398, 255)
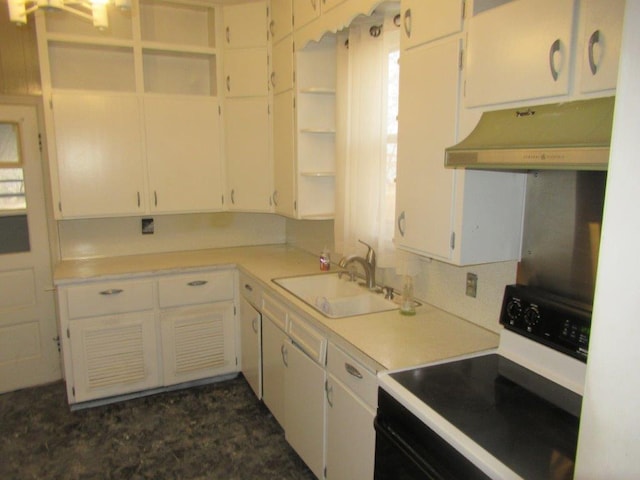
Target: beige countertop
point(382, 341)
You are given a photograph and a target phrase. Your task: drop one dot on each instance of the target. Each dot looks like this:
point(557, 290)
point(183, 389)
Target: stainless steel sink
point(335, 296)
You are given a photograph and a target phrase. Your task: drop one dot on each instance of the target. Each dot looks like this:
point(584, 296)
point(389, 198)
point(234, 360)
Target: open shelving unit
point(316, 128)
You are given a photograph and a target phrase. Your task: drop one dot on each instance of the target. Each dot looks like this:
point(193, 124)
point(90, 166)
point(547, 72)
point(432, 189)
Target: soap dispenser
point(407, 305)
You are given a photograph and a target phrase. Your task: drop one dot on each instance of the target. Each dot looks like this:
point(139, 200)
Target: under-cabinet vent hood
point(564, 136)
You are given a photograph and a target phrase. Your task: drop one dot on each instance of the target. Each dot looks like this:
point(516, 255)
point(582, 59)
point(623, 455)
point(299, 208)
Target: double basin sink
point(335, 295)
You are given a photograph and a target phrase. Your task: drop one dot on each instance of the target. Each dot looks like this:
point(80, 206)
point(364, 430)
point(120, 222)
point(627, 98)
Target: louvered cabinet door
point(198, 342)
point(113, 355)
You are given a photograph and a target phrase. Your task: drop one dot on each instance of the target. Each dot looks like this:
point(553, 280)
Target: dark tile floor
point(217, 431)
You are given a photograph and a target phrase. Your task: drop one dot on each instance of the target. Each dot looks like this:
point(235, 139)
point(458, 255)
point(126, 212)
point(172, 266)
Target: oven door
point(406, 449)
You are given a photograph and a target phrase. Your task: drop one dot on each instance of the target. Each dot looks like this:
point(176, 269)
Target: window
point(12, 194)
point(366, 170)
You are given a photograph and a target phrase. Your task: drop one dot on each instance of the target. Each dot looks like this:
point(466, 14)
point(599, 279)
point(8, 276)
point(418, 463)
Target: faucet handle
point(371, 254)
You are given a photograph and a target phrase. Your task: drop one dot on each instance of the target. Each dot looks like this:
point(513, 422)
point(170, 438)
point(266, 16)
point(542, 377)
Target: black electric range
point(512, 413)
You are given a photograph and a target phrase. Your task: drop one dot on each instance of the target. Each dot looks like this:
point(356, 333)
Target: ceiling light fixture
point(94, 10)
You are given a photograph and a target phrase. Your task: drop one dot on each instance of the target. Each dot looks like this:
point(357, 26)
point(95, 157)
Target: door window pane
point(12, 196)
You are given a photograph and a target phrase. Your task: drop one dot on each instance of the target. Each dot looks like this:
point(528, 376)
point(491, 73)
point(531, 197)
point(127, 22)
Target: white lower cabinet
point(250, 333)
point(111, 355)
point(126, 335)
point(304, 406)
point(197, 342)
point(351, 397)
point(273, 368)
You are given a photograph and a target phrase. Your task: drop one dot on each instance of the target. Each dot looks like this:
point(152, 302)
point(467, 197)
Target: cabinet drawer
point(195, 288)
point(250, 290)
point(107, 298)
point(356, 377)
point(275, 311)
point(307, 338)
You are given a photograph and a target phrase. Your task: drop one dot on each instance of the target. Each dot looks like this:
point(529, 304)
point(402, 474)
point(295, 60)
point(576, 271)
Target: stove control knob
point(514, 310)
point(531, 317)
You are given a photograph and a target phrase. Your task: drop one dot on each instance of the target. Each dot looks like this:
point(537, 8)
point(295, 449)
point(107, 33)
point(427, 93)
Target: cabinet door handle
point(275, 197)
point(138, 199)
point(273, 79)
point(248, 287)
point(555, 48)
point(112, 291)
point(254, 325)
point(593, 40)
point(272, 28)
point(228, 83)
point(233, 196)
point(155, 198)
point(407, 22)
point(401, 224)
point(351, 370)
point(328, 390)
point(227, 34)
point(197, 283)
point(283, 351)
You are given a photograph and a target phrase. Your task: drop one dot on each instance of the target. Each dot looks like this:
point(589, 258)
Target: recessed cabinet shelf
point(318, 174)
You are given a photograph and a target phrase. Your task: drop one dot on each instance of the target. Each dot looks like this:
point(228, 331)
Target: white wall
point(122, 236)
point(609, 439)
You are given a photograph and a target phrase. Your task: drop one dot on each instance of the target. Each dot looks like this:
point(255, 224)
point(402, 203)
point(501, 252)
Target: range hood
point(563, 136)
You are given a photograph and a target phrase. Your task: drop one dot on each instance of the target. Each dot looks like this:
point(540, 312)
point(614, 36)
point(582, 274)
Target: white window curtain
point(366, 139)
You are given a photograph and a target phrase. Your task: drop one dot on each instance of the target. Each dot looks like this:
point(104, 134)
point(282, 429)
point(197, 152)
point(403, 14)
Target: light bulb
point(17, 12)
point(100, 17)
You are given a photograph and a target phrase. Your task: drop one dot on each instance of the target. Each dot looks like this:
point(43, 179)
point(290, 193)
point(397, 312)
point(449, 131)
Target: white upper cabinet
point(282, 65)
point(304, 11)
point(284, 200)
point(419, 25)
point(249, 166)
point(246, 72)
point(599, 47)
point(519, 51)
point(99, 151)
point(245, 25)
point(281, 23)
point(183, 152)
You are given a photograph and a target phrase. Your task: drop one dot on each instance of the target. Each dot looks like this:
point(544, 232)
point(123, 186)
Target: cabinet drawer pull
point(227, 35)
point(248, 287)
point(407, 22)
point(593, 40)
point(254, 325)
point(112, 291)
point(555, 48)
point(233, 196)
point(283, 351)
point(328, 390)
point(228, 83)
point(197, 283)
point(351, 370)
point(272, 28)
point(401, 225)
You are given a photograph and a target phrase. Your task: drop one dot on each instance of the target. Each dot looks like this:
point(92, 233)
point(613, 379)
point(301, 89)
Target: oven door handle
point(383, 428)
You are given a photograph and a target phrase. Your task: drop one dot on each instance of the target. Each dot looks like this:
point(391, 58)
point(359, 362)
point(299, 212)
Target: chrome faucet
point(368, 264)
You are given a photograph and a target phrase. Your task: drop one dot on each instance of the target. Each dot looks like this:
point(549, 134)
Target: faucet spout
point(368, 264)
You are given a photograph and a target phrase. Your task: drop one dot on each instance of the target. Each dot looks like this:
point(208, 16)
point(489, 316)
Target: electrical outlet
point(472, 284)
point(147, 226)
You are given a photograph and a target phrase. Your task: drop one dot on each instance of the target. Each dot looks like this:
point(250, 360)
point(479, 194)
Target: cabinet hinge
point(57, 340)
point(453, 240)
point(40, 142)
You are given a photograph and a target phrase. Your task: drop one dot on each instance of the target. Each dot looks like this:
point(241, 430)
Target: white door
point(28, 348)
